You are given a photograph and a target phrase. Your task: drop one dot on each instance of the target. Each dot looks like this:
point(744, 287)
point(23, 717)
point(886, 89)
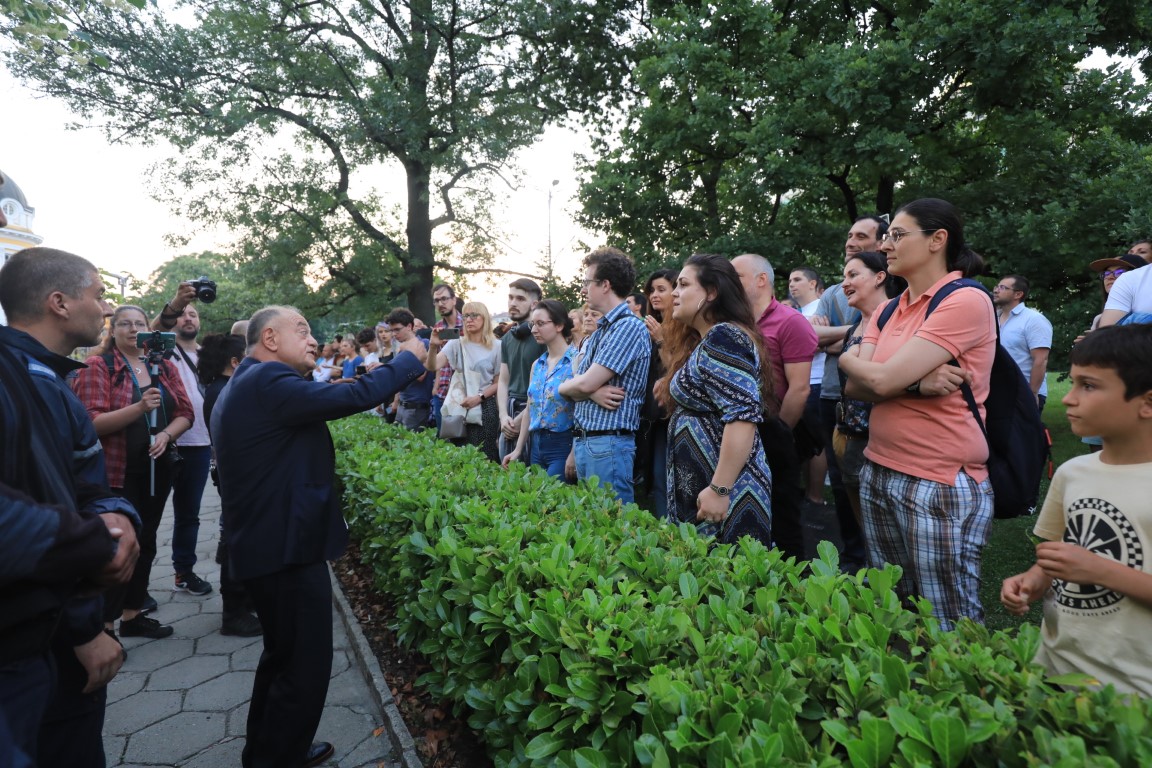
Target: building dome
point(10, 190)
point(18, 235)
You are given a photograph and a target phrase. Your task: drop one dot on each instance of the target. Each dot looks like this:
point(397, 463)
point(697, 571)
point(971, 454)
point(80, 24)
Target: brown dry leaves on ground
point(444, 741)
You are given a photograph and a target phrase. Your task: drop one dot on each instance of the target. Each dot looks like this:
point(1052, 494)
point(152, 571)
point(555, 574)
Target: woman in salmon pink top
point(924, 489)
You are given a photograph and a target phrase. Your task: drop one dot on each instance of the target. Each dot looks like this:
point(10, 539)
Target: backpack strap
point(109, 359)
point(886, 313)
point(945, 291)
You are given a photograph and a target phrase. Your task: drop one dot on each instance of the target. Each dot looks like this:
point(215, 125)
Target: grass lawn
point(1009, 551)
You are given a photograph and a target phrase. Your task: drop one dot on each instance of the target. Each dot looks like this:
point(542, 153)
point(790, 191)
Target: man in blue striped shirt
point(611, 375)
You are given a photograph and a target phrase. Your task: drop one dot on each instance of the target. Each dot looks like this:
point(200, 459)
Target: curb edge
point(370, 668)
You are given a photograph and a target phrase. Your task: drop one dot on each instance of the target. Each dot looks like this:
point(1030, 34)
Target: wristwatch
point(913, 388)
point(720, 490)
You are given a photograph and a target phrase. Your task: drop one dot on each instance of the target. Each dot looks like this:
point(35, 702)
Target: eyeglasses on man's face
point(442, 299)
point(129, 324)
point(590, 281)
point(1112, 272)
point(896, 235)
point(1003, 287)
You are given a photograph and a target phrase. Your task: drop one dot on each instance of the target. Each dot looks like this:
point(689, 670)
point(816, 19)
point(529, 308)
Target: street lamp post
point(123, 280)
point(554, 183)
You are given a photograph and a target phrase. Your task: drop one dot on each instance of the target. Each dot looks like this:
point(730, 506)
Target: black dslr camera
point(205, 289)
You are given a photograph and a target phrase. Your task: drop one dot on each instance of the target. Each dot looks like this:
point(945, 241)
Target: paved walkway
point(183, 700)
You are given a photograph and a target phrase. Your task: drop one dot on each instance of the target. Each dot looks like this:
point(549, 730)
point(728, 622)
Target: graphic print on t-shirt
point(1101, 528)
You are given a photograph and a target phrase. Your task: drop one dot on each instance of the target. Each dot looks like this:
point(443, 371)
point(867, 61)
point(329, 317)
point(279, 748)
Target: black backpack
point(1017, 441)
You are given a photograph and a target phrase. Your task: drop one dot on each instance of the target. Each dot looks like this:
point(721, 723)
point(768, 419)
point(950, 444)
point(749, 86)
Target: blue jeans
point(25, 690)
point(550, 450)
point(187, 491)
point(609, 458)
point(437, 403)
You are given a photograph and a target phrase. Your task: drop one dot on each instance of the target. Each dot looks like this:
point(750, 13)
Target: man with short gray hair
point(791, 344)
point(282, 518)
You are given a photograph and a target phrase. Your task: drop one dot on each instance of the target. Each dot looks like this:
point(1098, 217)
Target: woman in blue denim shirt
point(549, 415)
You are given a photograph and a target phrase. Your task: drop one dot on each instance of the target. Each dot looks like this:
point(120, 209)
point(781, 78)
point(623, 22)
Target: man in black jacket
point(282, 518)
point(64, 535)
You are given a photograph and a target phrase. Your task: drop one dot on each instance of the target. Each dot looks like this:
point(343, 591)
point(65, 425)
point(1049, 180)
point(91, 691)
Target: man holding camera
point(195, 445)
point(444, 297)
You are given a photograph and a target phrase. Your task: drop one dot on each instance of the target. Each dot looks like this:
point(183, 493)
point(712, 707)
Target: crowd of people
point(703, 396)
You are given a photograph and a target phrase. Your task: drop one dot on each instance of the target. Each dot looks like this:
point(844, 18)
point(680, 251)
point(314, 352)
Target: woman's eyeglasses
point(130, 324)
point(896, 235)
point(539, 323)
point(472, 316)
point(1112, 272)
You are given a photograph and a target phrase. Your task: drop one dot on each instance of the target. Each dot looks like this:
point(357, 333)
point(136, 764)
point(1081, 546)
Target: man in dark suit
point(282, 519)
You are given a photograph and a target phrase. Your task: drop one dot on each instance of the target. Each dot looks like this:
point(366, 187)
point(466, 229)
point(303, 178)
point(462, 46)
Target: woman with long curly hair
point(717, 383)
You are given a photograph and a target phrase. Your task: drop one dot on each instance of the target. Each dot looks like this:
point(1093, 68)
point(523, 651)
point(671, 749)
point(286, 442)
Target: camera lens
point(206, 294)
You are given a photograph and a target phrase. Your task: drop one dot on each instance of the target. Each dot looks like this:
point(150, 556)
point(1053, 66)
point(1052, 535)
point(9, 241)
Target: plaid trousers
point(935, 532)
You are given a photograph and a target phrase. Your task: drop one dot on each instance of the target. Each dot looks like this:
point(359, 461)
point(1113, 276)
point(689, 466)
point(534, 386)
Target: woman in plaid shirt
point(119, 393)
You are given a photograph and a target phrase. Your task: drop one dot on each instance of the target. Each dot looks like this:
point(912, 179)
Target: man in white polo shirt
point(1024, 332)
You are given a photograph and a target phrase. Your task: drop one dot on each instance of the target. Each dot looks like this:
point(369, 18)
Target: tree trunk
point(885, 195)
point(418, 265)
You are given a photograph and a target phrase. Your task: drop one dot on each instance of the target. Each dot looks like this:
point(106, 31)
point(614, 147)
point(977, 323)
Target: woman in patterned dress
point(717, 384)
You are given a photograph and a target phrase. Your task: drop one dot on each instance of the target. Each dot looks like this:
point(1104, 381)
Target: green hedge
point(576, 633)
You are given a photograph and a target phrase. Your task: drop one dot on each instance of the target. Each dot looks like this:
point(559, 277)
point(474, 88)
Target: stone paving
point(183, 701)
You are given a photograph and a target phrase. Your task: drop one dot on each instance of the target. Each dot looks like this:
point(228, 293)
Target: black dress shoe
point(318, 753)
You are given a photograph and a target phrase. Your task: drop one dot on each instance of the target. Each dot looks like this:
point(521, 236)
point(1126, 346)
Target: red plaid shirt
point(95, 389)
point(444, 376)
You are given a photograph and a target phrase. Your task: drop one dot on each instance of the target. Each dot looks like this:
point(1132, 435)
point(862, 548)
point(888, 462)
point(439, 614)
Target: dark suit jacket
point(277, 464)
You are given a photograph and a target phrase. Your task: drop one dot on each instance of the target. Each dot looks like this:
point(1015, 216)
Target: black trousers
point(854, 553)
point(137, 489)
point(780, 452)
point(71, 733)
point(295, 609)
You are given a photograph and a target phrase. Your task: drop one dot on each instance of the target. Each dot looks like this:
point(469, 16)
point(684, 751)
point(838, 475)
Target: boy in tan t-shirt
point(1094, 570)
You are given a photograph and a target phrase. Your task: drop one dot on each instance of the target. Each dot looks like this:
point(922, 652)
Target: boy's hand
point(1071, 563)
point(1018, 591)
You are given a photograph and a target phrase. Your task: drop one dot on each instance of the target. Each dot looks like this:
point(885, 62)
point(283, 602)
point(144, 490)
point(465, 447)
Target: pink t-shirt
point(789, 337)
point(935, 437)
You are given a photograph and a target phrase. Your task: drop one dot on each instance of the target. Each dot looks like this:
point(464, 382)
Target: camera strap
point(137, 393)
point(193, 367)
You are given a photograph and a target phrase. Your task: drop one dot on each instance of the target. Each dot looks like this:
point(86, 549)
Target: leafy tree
point(303, 120)
point(770, 126)
point(36, 22)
